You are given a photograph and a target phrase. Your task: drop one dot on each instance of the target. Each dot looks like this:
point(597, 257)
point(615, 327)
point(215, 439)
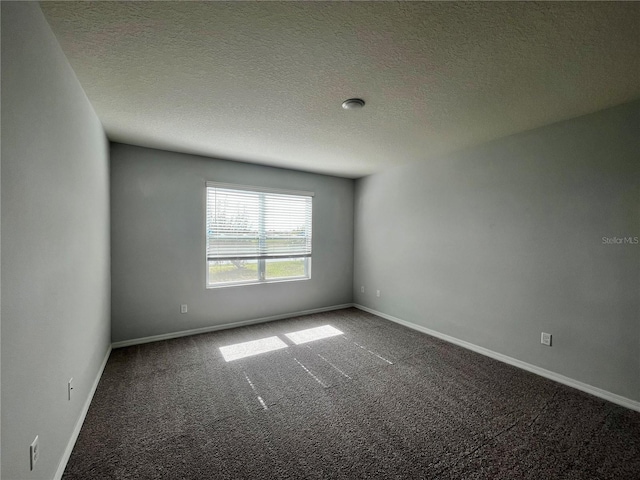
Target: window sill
point(257, 282)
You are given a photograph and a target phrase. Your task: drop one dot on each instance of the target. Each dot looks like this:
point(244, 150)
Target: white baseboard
point(598, 392)
point(76, 430)
point(213, 328)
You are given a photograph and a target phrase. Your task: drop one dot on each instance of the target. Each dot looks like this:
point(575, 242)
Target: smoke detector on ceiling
point(353, 104)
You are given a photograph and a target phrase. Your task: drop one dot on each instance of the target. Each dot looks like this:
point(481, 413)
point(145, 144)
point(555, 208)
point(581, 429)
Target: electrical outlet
point(545, 339)
point(183, 308)
point(34, 452)
point(361, 289)
point(377, 293)
point(69, 388)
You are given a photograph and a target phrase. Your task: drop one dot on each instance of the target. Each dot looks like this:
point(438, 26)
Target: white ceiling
point(263, 82)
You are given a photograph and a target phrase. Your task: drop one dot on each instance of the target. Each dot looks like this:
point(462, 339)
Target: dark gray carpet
point(338, 409)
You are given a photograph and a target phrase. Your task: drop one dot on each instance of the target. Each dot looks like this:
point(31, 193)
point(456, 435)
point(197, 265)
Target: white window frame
point(261, 275)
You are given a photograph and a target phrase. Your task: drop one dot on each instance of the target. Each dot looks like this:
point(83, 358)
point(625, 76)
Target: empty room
point(320, 240)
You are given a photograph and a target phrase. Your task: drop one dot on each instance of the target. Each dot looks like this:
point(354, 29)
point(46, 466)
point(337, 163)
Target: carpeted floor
point(379, 401)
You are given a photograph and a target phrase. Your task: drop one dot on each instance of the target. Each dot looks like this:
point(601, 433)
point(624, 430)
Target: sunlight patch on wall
point(313, 334)
point(248, 349)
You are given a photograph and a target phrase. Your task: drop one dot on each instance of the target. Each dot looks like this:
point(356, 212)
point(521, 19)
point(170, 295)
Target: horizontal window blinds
point(243, 223)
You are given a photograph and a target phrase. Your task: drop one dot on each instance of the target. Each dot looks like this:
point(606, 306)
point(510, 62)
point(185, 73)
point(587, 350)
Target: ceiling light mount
point(353, 104)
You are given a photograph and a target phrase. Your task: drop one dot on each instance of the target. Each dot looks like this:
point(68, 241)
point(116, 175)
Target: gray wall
point(55, 245)
point(496, 244)
point(0, 280)
point(158, 252)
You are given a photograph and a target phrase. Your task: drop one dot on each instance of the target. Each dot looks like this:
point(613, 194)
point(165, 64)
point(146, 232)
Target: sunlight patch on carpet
point(248, 349)
point(313, 334)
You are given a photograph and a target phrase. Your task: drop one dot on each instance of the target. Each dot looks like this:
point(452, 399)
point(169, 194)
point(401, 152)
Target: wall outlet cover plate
point(34, 452)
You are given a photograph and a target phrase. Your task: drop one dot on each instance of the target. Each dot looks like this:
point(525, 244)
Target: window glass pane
point(224, 271)
point(257, 236)
point(287, 268)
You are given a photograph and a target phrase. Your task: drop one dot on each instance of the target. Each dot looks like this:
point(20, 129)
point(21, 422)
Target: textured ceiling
point(263, 82)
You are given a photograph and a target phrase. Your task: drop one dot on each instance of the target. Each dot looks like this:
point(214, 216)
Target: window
point(257, 235)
